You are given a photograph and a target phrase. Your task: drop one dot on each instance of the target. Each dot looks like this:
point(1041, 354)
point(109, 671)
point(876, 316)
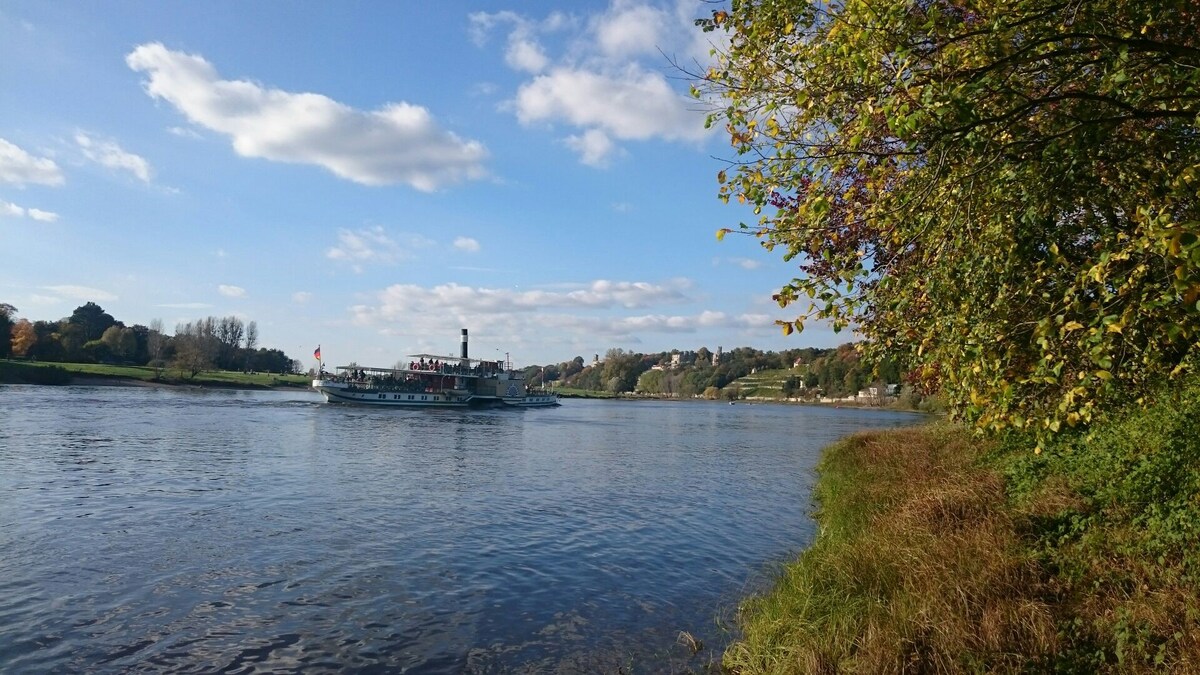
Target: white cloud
point(20, 168)
point(301, 297)
point(605, 78)
point(407, 300)
point(467, 244)
point(526, 55)
point(15, 211)
point(373, 245)
point(398, 143)
point(231, 291)
point(631, 104)
point(183, 132)
point(84, 293)
point(594, 147)
point(630, 29)
point(42, 216)
point(109, 154)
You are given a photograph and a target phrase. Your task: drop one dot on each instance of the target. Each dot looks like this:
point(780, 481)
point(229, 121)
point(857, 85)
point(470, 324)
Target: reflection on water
point(193, 531)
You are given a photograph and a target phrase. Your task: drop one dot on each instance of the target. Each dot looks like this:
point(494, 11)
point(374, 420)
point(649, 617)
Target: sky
point(371, 177)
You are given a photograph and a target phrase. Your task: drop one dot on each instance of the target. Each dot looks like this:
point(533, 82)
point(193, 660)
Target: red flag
point(317, 353)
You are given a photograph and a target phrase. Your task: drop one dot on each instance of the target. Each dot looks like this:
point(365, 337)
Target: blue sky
point(371, 177)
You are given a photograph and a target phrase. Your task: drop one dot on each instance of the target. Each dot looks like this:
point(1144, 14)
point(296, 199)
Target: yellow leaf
point(1072, 325)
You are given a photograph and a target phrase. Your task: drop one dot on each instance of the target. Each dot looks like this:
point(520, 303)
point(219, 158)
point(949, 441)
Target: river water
point(179, 530)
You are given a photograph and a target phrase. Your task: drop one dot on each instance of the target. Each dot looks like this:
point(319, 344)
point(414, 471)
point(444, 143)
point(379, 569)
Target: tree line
point(835, 372)
point(92, 335)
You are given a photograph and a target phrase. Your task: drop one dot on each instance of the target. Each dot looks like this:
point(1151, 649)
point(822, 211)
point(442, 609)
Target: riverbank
point(33, 372)
point(941, 552)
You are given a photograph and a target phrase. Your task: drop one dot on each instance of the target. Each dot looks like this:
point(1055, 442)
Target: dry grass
point(918, 568)
point(930, 560)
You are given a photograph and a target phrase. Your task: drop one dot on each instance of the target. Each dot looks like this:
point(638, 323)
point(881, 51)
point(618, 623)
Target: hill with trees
point(805, 372)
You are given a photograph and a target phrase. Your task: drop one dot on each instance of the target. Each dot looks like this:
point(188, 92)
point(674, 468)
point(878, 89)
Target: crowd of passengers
point(416, 383)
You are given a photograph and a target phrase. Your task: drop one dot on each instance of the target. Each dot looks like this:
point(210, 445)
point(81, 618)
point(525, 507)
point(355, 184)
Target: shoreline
point(67, 374)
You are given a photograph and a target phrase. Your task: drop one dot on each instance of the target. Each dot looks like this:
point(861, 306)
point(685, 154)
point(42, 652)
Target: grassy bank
point(939, 552)
point(32, 372)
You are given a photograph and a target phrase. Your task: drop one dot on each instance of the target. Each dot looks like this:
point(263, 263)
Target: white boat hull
point(340, 392)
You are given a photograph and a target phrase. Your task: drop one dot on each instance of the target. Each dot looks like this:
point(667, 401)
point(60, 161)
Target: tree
point(71, 337)
point(46, 347)
point(1002, 196)
point(229, 331)
point(196, 346)
point(121, 343)
point(650, 382)
point(8, 315)
point(92, 319)
point(156, 343)
point(251, 343)
point(24, 338)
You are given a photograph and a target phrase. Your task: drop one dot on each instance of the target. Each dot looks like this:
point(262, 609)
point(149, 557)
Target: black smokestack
point(464, 343)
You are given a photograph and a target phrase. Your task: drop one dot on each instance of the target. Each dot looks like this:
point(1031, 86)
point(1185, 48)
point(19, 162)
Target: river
point(191, 530)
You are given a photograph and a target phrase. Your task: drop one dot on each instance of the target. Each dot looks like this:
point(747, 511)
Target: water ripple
point(153, 530)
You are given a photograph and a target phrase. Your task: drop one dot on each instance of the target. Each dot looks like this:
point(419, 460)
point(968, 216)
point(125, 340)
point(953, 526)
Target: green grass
point(52, 373)
point(571, 392)
point(939, 551)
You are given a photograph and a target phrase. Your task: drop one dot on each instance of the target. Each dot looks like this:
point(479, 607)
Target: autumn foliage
point(1003, 194)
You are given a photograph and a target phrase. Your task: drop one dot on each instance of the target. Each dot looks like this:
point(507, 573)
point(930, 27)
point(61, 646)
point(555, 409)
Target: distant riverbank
point(35, 372)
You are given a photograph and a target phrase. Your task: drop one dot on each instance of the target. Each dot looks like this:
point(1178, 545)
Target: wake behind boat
point(432, 381)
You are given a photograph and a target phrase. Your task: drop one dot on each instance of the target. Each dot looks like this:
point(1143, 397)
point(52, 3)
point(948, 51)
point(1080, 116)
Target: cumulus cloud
point(594, 147)
point(606, 81)
point(397, 143)
point(467, 244)
point(84, 293)
point(630, 104)
point(301, 297)
point(402, 300)
point(231, 291)
point(630, 29)
point(108, 153)
point(20, 168)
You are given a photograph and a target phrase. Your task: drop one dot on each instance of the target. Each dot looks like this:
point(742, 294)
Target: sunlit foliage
point(1003, 194)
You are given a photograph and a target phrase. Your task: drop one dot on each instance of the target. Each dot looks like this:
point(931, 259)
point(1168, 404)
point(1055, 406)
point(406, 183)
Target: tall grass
point(940, 552)
point(917, 566)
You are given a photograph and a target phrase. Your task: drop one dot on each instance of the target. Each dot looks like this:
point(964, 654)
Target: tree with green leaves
point(92, 319)
point(1004, 195)
point(8, 316)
